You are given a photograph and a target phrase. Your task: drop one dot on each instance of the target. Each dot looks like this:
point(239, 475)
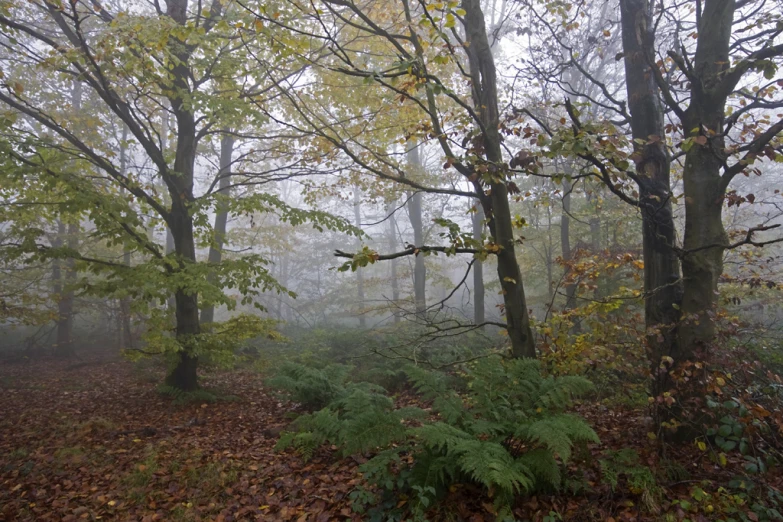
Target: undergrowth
point(507, 430)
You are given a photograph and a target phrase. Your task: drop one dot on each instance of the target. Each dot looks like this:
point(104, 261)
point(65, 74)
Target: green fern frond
point(429, 385)
point(441, 436)
point(543, 466)
point(450, 407)
point(558, 393)
point(370, 430)
point(557, 433)
point(492, 466)
point(432, 469)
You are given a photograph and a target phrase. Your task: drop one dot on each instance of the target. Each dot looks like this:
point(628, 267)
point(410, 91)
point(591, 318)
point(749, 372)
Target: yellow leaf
point(112, 503)
point(702, 446)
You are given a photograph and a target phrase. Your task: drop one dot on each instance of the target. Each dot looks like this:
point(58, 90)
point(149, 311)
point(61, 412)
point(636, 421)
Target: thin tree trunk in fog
point(661, 265)
point(565, 249)
point(221, 217)
point(357, 214)
point(478, 269)
point(126, 339)
point(67, 235)
point(390, 209)
point(164, 139)
point(550, 262)
point(281, 278)
point(415, 214)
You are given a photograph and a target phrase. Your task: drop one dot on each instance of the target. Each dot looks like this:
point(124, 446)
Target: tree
point(139, 67)
point(662, 285)
point(416, 46)
point(715, 149)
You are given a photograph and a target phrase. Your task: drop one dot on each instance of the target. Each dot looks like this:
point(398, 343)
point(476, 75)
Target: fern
point(509, 430)
point(312, 387)
point(491, 464)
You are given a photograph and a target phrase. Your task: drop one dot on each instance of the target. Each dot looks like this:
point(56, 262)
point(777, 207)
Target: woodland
point(391, 260)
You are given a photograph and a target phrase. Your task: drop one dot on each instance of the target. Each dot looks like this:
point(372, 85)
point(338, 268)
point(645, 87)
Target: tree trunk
point(126, 338)
point(221, 218)
point(180, 222)
point(417, 223)
point(704, 189)
point(661, 266)
point(566, 253)
point(390, 209)
point(357, 214)
point(549, 256)
point(478, 269)
point(496, 206)
point(67, 235)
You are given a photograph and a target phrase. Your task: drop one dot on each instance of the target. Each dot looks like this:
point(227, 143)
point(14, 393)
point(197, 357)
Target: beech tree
point(448, 75)
point(142, 67)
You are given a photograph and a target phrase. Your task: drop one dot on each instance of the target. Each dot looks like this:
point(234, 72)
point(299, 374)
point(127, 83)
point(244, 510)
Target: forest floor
point(94, 439)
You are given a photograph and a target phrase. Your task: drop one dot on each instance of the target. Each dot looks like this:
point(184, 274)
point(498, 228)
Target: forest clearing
point(391, 260)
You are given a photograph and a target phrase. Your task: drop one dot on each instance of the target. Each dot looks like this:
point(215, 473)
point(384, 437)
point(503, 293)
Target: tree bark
point(357, 214)
point(566, 253)
point(662, 288)
point(221, 217)
point(126, 337)
point(390, 209)
point(180, 222)
point(478, 269)
point(496, 206)
point(704, 189)
point(69, 236)
point(417, 223)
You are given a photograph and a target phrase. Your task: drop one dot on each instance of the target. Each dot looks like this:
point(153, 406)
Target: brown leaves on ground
point(96, 441)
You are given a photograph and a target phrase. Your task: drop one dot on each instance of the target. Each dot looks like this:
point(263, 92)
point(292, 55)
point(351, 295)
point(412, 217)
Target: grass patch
point(200, 396)
point(96, 425)
point(70, 453)
point(213, 477)
point(18, 453)
point(142, 474)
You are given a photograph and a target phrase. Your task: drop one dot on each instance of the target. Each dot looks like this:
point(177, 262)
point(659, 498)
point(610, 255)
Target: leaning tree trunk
point(221, 218)
point(496, 206)
point(662, 287)
point(417, 223)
